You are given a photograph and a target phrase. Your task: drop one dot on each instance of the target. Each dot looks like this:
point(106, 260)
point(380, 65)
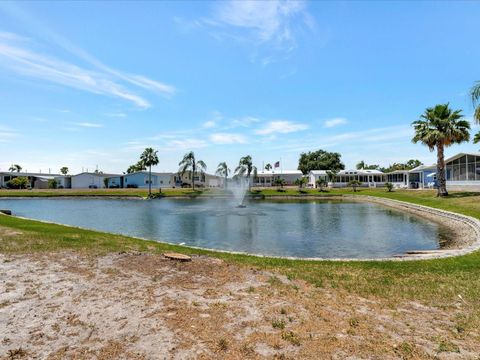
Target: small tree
point(389, 186)
point(52, 184)
point(354, 184)
point(279, 182)
point(300, 182)
point(268, 167)
point(105, 183)
point(321, 183)
point(64, 170)
point(20, 182)
point(223, 170)
point(332, 176)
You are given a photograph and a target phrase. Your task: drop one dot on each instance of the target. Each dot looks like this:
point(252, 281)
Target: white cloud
point(282, 127)
point(102, 80)
point(186, 144)
point(226, 138)
point(245, 121)
point(330, 123)
point(209, 124)
point(265, 20)
point(88, 124)
point(118, 115)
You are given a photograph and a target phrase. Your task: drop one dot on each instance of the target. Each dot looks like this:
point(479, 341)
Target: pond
point(313, 228)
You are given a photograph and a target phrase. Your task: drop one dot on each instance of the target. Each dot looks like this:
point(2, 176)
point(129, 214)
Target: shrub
point(52, 184)
point(20, 182)
point(132, 186)
point(389, 186)
point(354, 184)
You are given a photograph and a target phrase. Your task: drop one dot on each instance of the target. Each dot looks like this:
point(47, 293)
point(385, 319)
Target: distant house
point(201, 180)
point(140, 179)
point(268, 178)
point(315, 175)
point(36, 180)
point(463, 172)
point(87, 180)
point(368, 178)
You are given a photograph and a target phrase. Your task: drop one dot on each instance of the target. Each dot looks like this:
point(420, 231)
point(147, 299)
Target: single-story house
point(267, 178)
point(368, 178)
point(315, 175)
point(463, 172)
point(421, 177)
point(140, 179)
point(88, 180)
point(201, 179)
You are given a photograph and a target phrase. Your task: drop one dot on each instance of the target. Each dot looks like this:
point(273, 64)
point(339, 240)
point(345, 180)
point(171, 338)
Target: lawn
point(442, 283)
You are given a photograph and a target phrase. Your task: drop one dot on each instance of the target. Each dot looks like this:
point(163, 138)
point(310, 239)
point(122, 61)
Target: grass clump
point(278, 324)
point(291, 337)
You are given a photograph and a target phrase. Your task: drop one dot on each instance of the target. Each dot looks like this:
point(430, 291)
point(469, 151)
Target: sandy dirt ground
point(142, 306)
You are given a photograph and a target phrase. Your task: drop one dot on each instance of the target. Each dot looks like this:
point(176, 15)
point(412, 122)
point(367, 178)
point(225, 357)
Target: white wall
point(83, 181)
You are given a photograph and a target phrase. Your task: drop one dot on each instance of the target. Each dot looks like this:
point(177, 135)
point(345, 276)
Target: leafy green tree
point(409, 165)
point(319, 160)
point(354, 184)
point(268, 167)
point(389, 186)
point(15, 168)
point(321, 184)
point(223, 170)
point(189, 163)
point(246, 168)
point(279, 182)
point(64, 170)
point(148, 159)
point(300, 182)
point(437, 128)
point(52, 184)
point(20, 182)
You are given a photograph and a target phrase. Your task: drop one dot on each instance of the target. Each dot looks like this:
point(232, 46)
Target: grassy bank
point(433, 282)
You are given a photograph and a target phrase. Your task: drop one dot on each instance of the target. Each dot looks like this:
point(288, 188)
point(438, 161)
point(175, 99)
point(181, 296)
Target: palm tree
point(149, 158)
point(189, 163)
point(361, 165)
point(15, 167)
point(246, 168)
point(440, 127)
point(223, 170)
point(64, 170)
point(475, 94)
point(321, 183)
point(268, 167)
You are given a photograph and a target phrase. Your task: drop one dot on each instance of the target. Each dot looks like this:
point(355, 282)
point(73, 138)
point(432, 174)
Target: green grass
point(433, 282)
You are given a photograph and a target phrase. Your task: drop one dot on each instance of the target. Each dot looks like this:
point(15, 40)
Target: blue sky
point(93, 83)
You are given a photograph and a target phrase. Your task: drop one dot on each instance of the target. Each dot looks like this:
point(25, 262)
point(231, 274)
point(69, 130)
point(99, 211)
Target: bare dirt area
point(143, 306)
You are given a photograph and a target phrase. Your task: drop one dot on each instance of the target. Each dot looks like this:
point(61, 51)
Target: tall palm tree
point(361, 165)
point(268, 167)
point(15, 167)
point(189, 163)
point(475, 94)
point(440, 127)
point(223, 170)
point(149, 158)
point(246, 168)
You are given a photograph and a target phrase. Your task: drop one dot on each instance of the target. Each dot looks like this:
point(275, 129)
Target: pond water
point(313, 228)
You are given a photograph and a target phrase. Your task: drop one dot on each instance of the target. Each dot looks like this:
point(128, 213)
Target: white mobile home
point(267, 178)
point(140, 179)
point(35, 180)
point(463, 172)
point(315, 175)
point(368, 178)
point(88, 180)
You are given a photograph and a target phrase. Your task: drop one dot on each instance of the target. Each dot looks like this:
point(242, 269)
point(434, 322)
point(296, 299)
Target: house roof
point(146, 173)
point(360, 172)
point(459, 155)
point(280, 172)
point(398, 172)
point(423, 167)
point(97, 174)
point(318, 172)
point(30, 174)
